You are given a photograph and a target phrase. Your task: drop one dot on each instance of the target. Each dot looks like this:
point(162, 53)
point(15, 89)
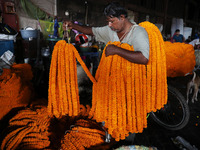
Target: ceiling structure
point(159, 11)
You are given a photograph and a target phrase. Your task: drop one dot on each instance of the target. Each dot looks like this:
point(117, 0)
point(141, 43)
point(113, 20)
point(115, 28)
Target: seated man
point(178, 37)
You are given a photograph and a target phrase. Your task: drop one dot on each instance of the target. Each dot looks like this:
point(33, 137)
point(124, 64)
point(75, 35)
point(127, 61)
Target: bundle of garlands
point(123, 92)
point(180, 58)
point(32, 128)
point(28, 129)
point(84, 134)
point(15, 87)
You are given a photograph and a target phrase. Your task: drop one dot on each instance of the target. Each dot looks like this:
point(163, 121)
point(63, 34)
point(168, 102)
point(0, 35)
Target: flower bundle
point(125, 92)
point(180, 58)
point(63, 89)
point(63, 95)
point(29, 130)
point(83, 135)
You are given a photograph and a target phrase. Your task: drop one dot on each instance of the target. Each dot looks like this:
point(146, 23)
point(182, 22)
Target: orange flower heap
point(180, 58)
point(15, 87)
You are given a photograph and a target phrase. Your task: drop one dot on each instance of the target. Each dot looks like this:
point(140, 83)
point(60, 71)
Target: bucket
point(29, 34)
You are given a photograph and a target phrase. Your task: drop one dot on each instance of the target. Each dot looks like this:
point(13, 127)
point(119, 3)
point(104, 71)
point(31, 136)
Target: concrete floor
point(156, 136)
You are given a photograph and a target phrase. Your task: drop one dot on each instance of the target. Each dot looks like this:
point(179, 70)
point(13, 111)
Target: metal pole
point(86, 12)
point(165, 16)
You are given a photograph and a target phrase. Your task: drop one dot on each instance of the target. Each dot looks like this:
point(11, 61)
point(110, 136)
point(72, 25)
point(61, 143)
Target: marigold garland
point(31, 132)
point(63, 96)
point(83, 135)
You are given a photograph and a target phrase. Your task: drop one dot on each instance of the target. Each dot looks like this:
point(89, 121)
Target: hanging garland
point(126, 92)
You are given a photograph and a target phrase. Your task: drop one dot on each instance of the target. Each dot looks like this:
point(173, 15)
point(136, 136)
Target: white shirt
point(137, 37)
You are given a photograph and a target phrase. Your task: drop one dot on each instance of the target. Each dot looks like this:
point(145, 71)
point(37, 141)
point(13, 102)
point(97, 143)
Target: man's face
point(115, 23)
point(177, 33)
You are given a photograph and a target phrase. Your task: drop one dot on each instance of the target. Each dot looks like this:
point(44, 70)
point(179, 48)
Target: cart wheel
point(175, 114)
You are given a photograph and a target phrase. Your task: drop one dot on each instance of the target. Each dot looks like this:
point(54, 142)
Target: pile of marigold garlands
point(15, 87)
point(123, 94)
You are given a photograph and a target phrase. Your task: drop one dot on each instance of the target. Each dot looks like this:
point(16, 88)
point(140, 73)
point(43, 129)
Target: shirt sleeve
point(101, 34)
point(141, 41)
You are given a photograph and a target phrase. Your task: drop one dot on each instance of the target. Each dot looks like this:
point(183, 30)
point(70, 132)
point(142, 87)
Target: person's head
point(116, 14)
point(177, 32)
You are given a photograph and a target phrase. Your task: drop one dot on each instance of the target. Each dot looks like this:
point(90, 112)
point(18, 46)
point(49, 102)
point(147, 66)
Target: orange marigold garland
point(119, 97)
point(29, 130)
point(63, 77)
point(83, 135)
point(152, 72)
point(15, 87)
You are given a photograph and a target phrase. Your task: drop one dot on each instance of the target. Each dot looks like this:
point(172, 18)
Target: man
point(119, 28)
point(178, 37)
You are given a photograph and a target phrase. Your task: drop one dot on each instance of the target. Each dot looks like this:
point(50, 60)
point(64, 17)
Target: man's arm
point(84, 29)
point(132, 56)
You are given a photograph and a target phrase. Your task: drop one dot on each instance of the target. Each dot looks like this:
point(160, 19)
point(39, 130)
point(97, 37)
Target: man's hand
point(84, 29)
point(111, 50)
point(67, 24)
point(132, 56)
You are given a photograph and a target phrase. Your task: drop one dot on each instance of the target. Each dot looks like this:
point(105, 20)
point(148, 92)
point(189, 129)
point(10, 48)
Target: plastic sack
point(47, 28)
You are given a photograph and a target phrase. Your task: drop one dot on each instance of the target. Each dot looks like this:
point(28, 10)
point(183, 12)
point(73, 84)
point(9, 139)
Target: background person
point(178, 37)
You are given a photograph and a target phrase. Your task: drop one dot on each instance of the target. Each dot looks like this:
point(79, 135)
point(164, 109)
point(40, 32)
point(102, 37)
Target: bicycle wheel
point(175, 114)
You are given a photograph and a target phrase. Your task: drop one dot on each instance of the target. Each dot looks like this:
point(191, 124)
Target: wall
point(25, 21)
